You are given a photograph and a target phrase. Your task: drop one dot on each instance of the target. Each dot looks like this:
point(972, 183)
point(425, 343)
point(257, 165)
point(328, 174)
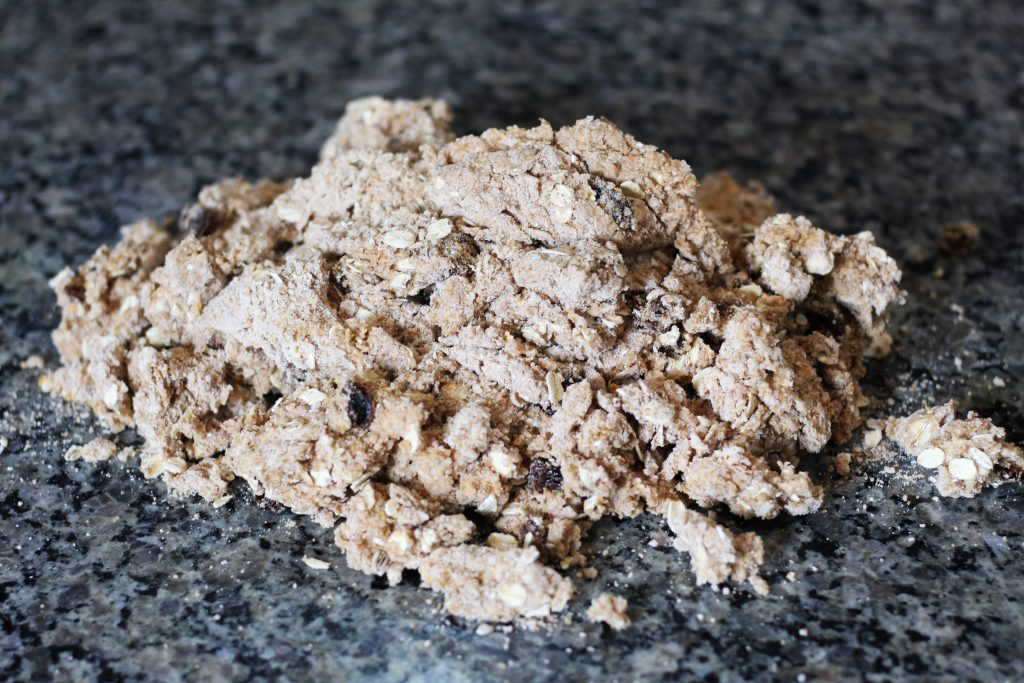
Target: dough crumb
point(96, 450)
point(716, 554)
point(609, 609)
point(841, 464)
point(33, 362)
point(879, 346)
point(966, 454)
point(872, 438)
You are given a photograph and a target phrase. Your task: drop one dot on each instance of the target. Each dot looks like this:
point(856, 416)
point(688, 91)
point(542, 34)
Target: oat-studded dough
point(481, 582)
point(96, 450)
point(609, 609)
point(966, 454)
point(715, 553)
point(462, 352)
point(792, 256)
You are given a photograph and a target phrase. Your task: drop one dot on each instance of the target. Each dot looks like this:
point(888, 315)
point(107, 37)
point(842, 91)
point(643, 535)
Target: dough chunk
point(321, 442)
point(96, 450)
point(495, 585)
point(792, 256)
point(748, 485)
point(759, 379)
point(207, 479)
point(966, 454)
point(101, 316)
point(391, 528)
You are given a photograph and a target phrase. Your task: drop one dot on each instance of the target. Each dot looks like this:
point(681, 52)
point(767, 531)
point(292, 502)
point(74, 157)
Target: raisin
point(197, 220)
point(544, 475)
point(422, 297)
point(360, 406)
point(75, 290)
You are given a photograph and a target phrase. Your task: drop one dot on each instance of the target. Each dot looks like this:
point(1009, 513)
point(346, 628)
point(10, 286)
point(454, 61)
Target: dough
point(462, 352)
point(966, 454)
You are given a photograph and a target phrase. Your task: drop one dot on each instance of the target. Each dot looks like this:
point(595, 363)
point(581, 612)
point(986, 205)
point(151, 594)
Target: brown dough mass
point(532, 328)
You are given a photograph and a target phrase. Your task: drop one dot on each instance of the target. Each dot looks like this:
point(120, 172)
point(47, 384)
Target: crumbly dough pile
point(461, 353)
point(967, 455)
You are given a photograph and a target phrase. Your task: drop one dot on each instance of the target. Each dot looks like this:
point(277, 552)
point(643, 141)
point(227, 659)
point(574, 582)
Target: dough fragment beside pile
point(966, 454)
point(462, 352)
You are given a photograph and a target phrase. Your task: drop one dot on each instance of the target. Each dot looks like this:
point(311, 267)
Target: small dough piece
point(748, 485)
point(96, 450)
point(715, 553)
point(391, 528)
point(499, 357)
point(33, 362)
point(320, 443)
point(491, 584)
point(865, 280)
point(206, 479)
point(790, 252)
point(609, 609)
point(759, 380)
point(658, 191)
point(577, 279)
point(362, 186)
point(298, 338)
point(967, 454)
point(185, 407)
point(101, 317)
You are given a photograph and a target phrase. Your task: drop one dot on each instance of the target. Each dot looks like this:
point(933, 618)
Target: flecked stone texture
point(891, 116)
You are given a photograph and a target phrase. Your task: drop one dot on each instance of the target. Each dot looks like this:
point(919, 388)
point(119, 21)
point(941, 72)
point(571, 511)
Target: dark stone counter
point(890, 116)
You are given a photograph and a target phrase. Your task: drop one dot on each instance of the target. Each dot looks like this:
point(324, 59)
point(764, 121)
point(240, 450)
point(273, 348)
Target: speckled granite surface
point(890, 116)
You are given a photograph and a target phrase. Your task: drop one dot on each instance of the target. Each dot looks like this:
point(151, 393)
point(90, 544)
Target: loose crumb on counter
point(33, 362)
point(965, 454)
point(609, 609)
point(96, 450)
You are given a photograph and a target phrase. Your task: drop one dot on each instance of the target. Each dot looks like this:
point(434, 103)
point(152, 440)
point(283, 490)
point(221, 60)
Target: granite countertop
point(891, 116)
